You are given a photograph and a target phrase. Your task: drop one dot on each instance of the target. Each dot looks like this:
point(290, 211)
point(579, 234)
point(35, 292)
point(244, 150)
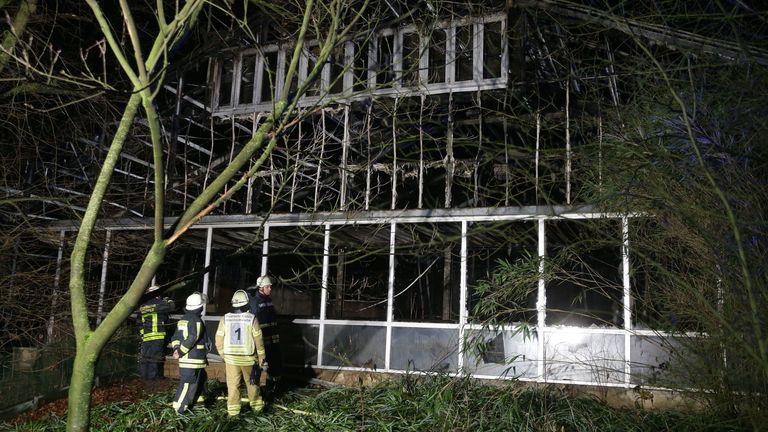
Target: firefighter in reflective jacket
point(154, 311)
point(239, 341)
point(261, 306)
point(189, 347)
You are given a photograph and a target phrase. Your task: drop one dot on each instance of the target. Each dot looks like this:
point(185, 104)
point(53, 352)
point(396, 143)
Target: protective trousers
point(151, 362)
point(236, 374)
point(191, 388)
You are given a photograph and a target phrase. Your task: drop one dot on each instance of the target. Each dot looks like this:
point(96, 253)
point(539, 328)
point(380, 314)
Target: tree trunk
point(83, 372)
point(91, 343)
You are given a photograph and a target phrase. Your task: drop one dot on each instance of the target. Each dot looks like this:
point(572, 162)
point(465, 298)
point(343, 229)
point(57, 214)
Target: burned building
point(439, 156)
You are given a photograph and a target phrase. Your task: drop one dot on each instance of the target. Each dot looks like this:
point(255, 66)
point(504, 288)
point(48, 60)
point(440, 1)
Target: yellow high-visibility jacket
point(239, 340)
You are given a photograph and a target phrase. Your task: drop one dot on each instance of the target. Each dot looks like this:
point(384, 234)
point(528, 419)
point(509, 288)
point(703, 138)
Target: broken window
point(464, 52)
point(247, 79)
point(435, 135)
point(408, 151)
point(510, 352)
point(269, 76)
point(295, 261)
point(360, 66)
point(385, 61)
point(183, 267)
point(654, 305)
point(427, 272)
point(382, 148)
point(437, 50)
point(337, 69)
point(502, 272)
point(584, 261)
point(358, 280)
point(358, 156)
point(231, 271)
point(411, 59)
point(282, 73)
point(311, 54)
point(492, 49)
point(327, 146)
point(225, 81)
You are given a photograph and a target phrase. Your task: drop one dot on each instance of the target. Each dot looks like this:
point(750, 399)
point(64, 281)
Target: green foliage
point(412, 403)
point(503, 296)
point(692, 145)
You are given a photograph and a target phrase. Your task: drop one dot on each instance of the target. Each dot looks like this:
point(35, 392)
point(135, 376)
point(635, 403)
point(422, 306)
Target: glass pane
point(298, 343)
point(268, 78)
point(684, 362)
point(385, 60)
point(650, 360)
point(411, 54)
point(359, 272)
point(247, 77)
point(504, 354)
point(354, 346)
point(464, 53)
point(492, 51)
point(437, 41)
point(596, 358)
point(420, 349)
point(225, 81)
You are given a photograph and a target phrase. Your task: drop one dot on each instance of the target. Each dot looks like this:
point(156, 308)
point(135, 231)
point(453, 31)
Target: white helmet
point(263, 281)
point(239, 298)
point(195, 301)
point(152, 288)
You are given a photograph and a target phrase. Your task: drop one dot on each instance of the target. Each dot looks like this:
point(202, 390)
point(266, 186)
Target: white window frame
point(397, 89)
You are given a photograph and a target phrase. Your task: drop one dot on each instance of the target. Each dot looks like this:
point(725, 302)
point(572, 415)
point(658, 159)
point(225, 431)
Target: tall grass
point(412, 403)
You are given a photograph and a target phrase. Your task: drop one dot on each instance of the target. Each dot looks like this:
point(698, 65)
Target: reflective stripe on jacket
point(189, 340)
point(154, 318)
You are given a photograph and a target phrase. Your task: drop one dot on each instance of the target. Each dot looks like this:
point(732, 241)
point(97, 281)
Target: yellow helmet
point(239, 298)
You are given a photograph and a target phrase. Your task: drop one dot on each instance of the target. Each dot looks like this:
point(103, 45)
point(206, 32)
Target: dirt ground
point(131, 390)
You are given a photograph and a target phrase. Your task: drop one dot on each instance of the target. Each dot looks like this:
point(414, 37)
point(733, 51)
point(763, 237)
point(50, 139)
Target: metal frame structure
point(545, 334)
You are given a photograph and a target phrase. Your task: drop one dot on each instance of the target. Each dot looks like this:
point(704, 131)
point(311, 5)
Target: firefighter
point(238, 340)
point(189, 348)
point(261, 305)
point(154, 312)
